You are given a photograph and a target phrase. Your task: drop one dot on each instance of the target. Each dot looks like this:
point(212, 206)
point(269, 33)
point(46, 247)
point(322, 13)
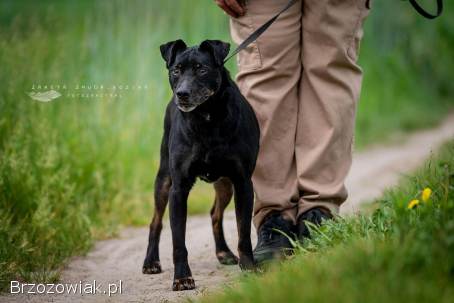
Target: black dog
point(211, 132)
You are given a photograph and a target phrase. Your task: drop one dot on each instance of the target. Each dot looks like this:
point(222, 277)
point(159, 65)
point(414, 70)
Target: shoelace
point(267, 231)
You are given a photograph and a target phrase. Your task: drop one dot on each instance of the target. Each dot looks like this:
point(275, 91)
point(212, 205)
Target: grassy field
point(77, 168)
point(395, 254)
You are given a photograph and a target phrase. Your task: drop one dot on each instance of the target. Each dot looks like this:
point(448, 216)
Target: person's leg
point(329, 91)
point(269, 75)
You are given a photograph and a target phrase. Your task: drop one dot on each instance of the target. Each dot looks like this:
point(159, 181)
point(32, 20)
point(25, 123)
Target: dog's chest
point(210, 165)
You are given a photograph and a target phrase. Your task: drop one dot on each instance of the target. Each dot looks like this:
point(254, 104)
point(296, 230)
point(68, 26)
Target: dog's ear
point(217, 48)
point(171, 49)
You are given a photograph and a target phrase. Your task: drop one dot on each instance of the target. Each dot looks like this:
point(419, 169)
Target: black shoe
point(315, 215)
point(272, 244)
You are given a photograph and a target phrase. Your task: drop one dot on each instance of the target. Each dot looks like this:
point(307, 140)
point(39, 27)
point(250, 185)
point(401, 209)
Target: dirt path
point(121, 258)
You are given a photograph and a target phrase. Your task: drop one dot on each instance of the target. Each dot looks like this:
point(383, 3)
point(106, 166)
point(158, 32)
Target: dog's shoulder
point(243, 107)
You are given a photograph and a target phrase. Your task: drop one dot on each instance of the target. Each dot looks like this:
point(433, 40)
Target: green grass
point(407, 62)
point(394, 254)
point(75, 169)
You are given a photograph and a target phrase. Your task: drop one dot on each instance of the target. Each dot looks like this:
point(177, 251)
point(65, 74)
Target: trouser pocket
point(355, 41)
point(241, 28)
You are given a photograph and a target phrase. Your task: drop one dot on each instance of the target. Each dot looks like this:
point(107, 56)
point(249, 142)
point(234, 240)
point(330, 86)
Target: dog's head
point(195, 73)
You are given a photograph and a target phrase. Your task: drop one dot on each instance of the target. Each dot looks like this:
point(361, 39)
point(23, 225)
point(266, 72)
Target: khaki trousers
point(303, 81)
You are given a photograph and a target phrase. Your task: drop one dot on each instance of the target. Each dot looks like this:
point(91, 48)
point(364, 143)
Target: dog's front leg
point(244, 200)
point(178, 212)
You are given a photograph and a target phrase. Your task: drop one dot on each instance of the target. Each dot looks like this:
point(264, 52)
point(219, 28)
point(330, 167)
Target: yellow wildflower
point(412, 204)
point(425, 196)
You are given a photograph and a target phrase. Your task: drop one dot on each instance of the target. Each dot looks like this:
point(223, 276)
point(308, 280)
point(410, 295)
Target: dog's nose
point(183, 94)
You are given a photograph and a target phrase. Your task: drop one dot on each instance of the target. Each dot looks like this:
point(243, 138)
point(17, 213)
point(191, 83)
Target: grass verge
point(394, 254)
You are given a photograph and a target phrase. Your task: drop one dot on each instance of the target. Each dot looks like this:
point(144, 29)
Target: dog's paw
point(154, 268)
point(183, 284)
point(227, 258)
point(248, 264)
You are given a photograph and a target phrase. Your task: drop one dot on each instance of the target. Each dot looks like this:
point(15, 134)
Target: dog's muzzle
point(186, 106)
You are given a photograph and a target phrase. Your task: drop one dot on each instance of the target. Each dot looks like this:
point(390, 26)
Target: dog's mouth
point(186, 106)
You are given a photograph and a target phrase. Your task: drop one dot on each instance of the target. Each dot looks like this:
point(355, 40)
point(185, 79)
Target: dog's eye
point(175, 71)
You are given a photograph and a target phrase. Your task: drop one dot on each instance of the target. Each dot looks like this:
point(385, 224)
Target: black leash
point(258, 32)
point(424, 13)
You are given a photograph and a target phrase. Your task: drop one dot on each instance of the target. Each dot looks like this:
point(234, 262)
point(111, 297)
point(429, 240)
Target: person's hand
point(234, 8)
